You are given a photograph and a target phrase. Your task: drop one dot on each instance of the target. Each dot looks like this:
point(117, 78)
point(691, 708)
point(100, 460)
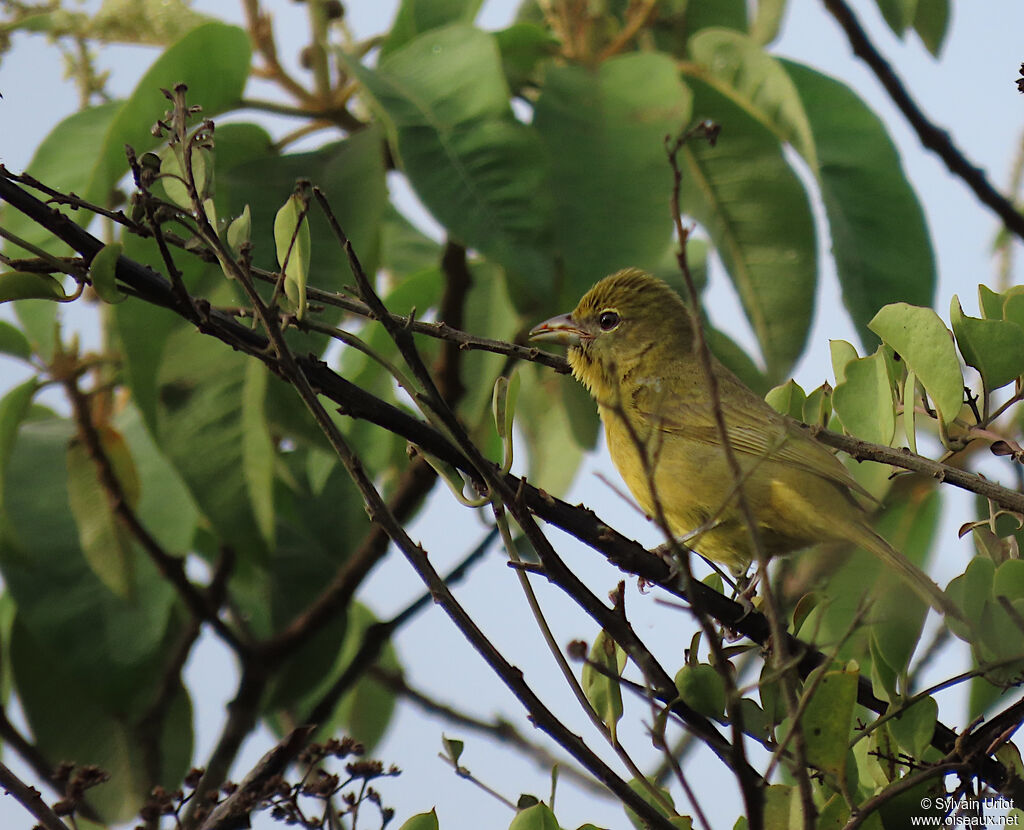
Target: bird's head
point(624, 321)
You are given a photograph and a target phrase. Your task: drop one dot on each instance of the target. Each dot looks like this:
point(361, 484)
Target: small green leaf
point(13, 341)
point(537, 817)
point(818, 406)
point(663, 805)
point(842, 353)
point(994, 347)
point(240, 230)
point(701, 687)
point(931, 22)
point(291, 236)
point(923, 341)
point(602, 687)
point(864, 402)
point(172, 174)
point(102, 273)
point(453, 748)
point(422, 821)
point(258, 451)
point(764, 28)
point(898, 14)
point(23, 285)
point(788, 399)
point(1013, 306)
point(827, 718)
point(913, 729)
point(14, 406)
point(990, 303)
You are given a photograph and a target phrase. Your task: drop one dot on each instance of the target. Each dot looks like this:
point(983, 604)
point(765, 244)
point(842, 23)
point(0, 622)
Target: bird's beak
point(561, 329)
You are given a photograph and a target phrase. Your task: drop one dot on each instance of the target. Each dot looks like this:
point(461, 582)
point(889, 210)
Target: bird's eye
point(608, 320)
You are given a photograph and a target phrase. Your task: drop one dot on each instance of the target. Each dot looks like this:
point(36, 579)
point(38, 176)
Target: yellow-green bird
point(631, 343)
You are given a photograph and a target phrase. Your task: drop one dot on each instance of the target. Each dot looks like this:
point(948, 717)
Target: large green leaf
point(201, 430)
point(113, 645)
point(880, 239)
point(418, 16)
point(738, 67)
point(65, 160)
point(478, 170)
point(84, 730)
point(604, 133)
point(759, 219)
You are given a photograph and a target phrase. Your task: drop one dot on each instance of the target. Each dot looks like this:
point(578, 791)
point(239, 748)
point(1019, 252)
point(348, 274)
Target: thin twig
point(935, 139)
point(29, 798)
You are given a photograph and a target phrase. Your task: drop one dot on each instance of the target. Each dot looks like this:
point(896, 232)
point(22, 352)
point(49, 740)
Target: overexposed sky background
point(969, 91)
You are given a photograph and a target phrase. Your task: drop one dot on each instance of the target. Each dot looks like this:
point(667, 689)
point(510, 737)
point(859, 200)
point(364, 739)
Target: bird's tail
point(908, 571)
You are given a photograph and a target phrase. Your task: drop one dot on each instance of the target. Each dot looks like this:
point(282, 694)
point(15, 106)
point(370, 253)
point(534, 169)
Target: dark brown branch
point(935, 139)
point(906, 460)
point(235, 810)
point(29, 798)
point(451, 310)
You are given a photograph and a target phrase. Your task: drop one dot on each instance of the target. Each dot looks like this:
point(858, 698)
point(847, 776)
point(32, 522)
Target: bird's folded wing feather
point(754, 430)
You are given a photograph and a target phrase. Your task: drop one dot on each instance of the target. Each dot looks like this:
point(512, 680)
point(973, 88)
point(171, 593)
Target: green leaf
point(404, 249)
point(172, 174)
point(924, 343)
point(25, 285)
point(764, 28)
point(339, 169)
point(113, 647)
point(701, 687)
point(164, 506)
point(910, 411)
point(13, 342)
point(994, 347)
point(291, 238)
point(240, 230)
point(258, 450)
point(105, 541)
point(789, 399)
point(913, 729)
point(553, 450)
point(769, 251)
point(738, 67)
point(818, 406)
point(479, 171)
point(90, 732)
point(603, 691)
point(418, 16)
point(65, 161)
point(200, 427)
point(537, 817)
point(990, 303)
point(880, 238)
point(864, 401)
point(604, 133)
point(842, 353)
point(102, 273)
point(898, 14)
point(523, 47)
point(827, 718)
point(422, 821)
point(663, 805)
point(14, 407)
point(931, 22)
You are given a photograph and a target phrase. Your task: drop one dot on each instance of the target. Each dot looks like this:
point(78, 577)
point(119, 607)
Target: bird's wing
point(755, 429)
